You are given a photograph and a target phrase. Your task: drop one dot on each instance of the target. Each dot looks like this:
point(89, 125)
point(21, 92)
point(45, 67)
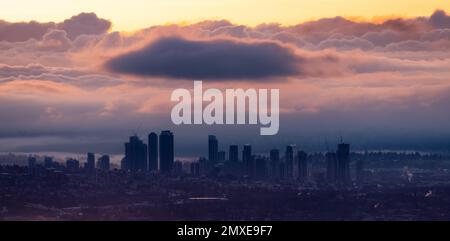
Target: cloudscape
point(79, 83)
point(224, 110)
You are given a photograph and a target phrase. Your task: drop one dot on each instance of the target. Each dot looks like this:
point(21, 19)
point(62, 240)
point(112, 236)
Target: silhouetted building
point(166, 151)
point(247, 153)
point(234, 153)
point(282, 170)
point(302, 164)
point(31, 162)
point(260, 168)
point(104, 163)
point(152, 152)
point(360, 171)
point(123, 164)
point(31, 165)
point(90, 161)
point(72, 164)
point(48, 162)
point(195, 168)
point(331, 166)
point(135, 155)
point(203, 165)
point(221, 156)
point(343, 161)
point(274, 163)
point(248, 160)
point(289, 161)
point(213, 148)
point(178, 168)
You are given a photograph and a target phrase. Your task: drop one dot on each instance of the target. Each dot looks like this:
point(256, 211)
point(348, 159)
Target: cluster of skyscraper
point(338, 164)
point(103, 162)
point(140, 157)
point(294, 164)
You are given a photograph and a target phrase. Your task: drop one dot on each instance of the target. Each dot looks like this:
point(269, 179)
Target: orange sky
point(135, 14)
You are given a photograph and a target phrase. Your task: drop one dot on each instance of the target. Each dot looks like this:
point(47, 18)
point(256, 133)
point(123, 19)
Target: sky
point(135, 14)
point(83, 77)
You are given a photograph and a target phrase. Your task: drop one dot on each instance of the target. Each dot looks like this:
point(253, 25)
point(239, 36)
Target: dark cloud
point(83, 23)
point(18, 32)
point(440, 19)
point(400, 25)
point(215, 59)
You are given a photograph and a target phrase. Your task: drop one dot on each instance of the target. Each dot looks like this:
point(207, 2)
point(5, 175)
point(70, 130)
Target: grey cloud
point(19, 32)
point(440, 19)
point(214, 59)
point(84, 23)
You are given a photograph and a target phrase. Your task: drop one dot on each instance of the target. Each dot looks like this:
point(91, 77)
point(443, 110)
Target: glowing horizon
point(136, 14)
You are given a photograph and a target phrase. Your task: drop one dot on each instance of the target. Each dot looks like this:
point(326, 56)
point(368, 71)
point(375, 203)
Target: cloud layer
point(389, 77)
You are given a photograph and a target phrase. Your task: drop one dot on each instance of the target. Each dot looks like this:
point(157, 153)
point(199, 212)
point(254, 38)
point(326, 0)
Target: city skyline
point(138, 150)
point(224, 110)
point(229, 149)
point(139, 157)
point(337, 185)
